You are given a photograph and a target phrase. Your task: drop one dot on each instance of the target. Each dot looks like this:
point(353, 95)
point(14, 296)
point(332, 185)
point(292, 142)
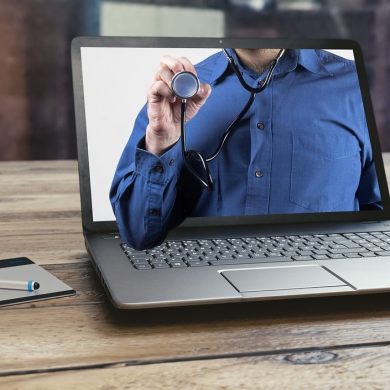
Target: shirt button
point(158, 168)
point(171, 162)
point(154, 212)
point(261, 126)
point(259, 174)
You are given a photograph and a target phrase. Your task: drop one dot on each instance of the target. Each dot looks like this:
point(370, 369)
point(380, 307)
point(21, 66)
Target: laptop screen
point(302, 146)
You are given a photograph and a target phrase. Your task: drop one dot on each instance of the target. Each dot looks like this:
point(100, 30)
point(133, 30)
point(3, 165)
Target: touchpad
point(281, 278)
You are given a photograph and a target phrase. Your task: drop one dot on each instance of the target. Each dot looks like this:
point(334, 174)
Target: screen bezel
point(212, 222)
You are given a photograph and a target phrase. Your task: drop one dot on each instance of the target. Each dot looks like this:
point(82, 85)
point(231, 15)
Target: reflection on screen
point(302, 146)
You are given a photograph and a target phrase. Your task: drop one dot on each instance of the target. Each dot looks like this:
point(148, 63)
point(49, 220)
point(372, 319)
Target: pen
point(29, 285)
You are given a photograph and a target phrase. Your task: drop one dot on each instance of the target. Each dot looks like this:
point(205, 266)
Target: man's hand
point(164, 108)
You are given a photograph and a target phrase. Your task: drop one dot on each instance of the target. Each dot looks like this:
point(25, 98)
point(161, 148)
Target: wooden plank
point(85, 329)
point(39, 224)
point(362, 368)
point(45, 248)
point(39, 197)
point(42, 221)
point(37, 177)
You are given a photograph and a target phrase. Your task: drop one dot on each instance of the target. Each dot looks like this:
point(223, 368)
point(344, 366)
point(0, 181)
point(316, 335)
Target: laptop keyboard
point(253, 250)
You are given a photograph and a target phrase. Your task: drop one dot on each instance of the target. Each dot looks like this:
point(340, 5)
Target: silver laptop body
point(106, 103)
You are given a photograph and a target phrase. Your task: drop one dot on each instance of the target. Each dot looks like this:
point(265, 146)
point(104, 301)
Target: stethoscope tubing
point(253, 91)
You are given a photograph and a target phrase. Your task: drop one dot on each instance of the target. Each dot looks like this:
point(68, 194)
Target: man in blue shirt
point(303, 147)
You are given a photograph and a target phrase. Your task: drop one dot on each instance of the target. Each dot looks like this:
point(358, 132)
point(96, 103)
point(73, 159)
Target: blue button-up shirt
point(303, 147)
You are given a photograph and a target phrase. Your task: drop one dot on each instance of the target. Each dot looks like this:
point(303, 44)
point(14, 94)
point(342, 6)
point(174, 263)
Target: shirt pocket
point(325, 170)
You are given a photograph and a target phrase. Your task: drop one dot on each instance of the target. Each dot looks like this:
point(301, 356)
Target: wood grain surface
point(85, 330)
point(356, 368)
point(40, 211)
point(83, 342)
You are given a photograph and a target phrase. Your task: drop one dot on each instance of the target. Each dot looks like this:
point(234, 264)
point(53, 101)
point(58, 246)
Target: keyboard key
point(321, 257)
point(198, 263)
point(362, 242)
point(302, 258)
point(275, 254)
point(241, 256)
point(231, 262)
point(163, 259)
point(383, 253)
point(189, 258)
point(337, 246)
point(142, 266)
point(258, 255)
point(351, 245)
point(177, 264)
point(139, 255)
point(207, 258)
point(351, 255)
point(306, 247)
point(160, 265)
point(374, 249)
point(274, 250)
point(328, 238)
point(225, 257)
point(322, 247)
point(276, 259)
point(305, 253)
point(320, 251)
point(228, 262)
point(157, 261)
point(338, 238)
point(244, 253)
point(336, 256)
point(290, 253)
point(139, 261)
point(193, 260)
point(370, 245)
point(346, 250)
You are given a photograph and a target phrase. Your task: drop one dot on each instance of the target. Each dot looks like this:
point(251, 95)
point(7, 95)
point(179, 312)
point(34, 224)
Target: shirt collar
point(220, 66)
point(307, 58)
point(312, 61)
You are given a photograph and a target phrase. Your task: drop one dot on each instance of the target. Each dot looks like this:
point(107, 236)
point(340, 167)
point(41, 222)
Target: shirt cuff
point(158, 169)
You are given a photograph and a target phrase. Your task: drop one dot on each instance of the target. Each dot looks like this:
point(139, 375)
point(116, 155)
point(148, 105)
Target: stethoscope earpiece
point(185, 85)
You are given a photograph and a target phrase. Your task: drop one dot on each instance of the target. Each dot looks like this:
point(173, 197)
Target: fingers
point(164, 73)
point(169, 66)
point(187, 65)
point(202, 94)
point(178, 64)
point(158, 91)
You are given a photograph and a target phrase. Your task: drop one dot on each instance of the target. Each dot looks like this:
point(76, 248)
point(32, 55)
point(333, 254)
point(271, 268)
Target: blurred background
point(36, 102)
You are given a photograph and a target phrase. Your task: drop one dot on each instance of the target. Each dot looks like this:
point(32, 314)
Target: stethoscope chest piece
point(185, 85)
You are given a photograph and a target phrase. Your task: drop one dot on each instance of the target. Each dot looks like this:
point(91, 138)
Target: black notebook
point(23, 269)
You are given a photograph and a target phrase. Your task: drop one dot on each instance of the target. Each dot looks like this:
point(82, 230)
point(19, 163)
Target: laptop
point(321, 223)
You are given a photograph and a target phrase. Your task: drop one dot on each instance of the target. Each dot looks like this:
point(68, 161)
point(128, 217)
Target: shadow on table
point(292, 310)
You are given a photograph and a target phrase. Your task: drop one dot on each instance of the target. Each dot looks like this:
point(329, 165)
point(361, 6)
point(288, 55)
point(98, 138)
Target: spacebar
point(251, 261)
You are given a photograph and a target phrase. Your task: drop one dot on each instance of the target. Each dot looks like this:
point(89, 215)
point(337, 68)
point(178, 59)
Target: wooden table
point(82, 342)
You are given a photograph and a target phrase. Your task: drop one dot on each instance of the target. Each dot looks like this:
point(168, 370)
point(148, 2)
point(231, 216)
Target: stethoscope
point(185, 85)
